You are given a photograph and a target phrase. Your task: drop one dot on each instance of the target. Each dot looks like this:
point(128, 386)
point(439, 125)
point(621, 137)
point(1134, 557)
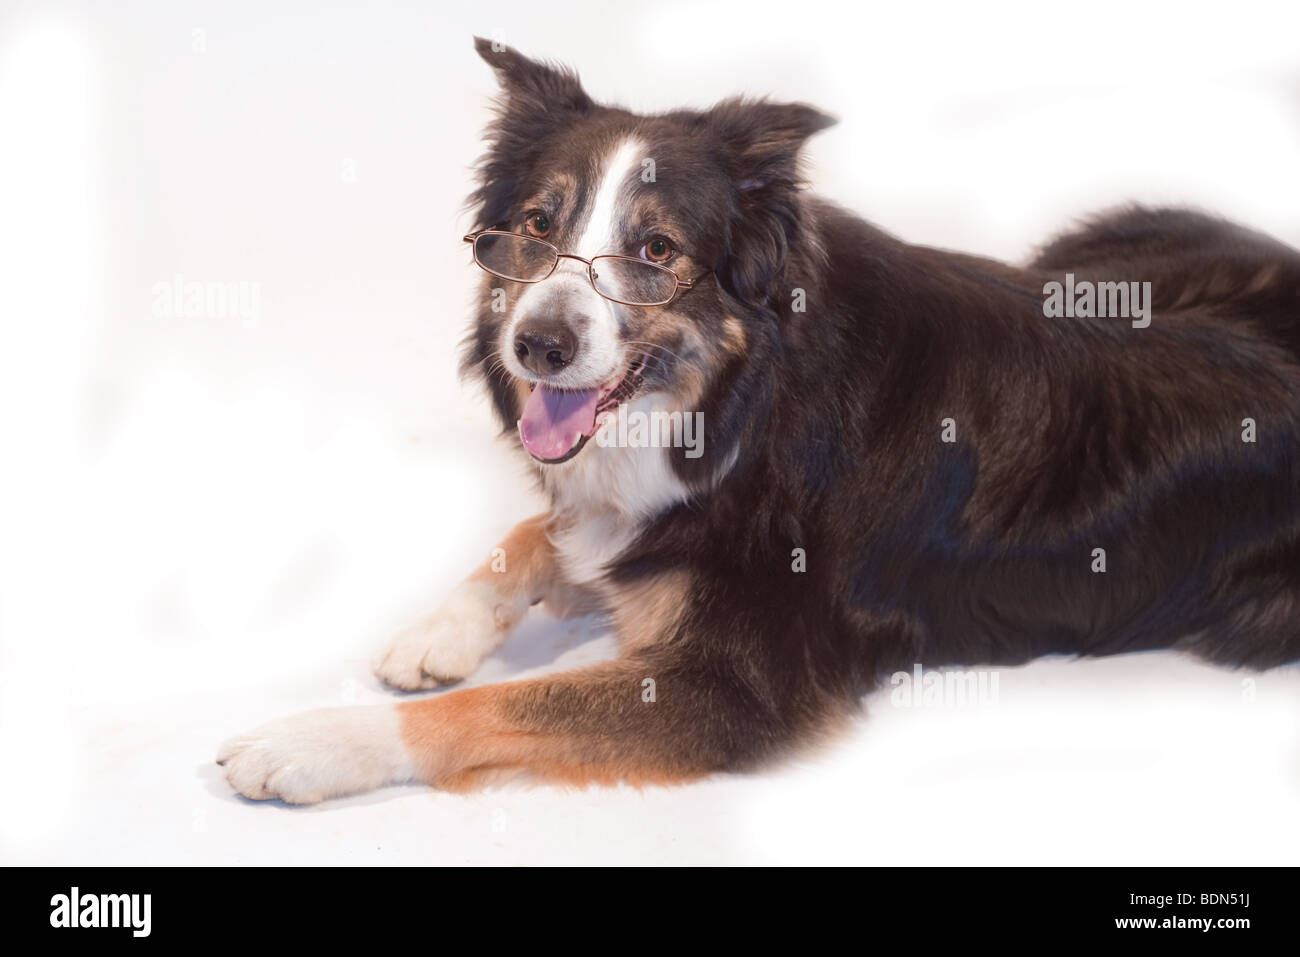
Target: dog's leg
point(644, 719)
point(449, 644)
point(659, 717)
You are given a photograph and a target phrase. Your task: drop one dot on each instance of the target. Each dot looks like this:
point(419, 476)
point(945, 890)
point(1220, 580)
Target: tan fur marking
point(557, 195)
point(463, 740)
point(647, 611)
point(571, 601)
point(736, 340)
point(532, 574)
point(529, 570)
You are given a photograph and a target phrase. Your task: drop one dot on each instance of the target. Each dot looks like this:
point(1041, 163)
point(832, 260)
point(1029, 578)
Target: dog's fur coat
point(830, 535)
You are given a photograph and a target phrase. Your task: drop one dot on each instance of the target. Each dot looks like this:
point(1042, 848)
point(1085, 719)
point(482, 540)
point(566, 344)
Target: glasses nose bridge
point(585, 272)
point(574, 257)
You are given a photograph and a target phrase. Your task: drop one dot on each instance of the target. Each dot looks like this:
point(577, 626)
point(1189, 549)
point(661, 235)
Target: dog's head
point(627, 256)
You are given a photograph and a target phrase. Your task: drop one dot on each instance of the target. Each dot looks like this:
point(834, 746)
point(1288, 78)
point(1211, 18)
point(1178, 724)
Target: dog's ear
point(761, 142)
point(532, 86)
point(535, 100)
point(763, 139)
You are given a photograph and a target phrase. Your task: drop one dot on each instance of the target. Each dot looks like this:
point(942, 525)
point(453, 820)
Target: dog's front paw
point(449, 644)
point(317, 755)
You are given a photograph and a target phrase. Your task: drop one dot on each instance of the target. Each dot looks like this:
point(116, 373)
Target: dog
point(906, 459)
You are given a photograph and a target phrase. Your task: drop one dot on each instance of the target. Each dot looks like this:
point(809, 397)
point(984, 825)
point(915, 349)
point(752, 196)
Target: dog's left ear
point(763, 140)
point(531, 86)
point(761, 143)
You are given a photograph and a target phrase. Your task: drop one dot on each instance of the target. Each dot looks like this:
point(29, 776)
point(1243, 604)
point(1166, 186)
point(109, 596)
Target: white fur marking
point(601, 230)
point(601, 357)
point(605, 495)
point(450, 643)
point(319, 754)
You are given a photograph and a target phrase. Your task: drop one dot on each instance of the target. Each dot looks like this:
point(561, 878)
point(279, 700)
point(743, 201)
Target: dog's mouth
point(557, 423)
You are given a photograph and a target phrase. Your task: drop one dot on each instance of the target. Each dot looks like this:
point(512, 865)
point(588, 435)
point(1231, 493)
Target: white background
point(205, 524)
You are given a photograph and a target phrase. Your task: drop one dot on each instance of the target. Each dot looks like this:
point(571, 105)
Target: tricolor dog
point(906, 456)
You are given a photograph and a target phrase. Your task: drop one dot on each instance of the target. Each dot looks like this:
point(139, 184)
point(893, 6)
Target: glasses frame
point(683, 285)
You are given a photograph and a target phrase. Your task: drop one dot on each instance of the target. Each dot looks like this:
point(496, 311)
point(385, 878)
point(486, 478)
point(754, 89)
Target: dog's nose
point(545, 346)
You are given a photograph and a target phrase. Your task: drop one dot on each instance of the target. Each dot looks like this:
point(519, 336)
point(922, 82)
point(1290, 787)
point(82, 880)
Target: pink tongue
point(555, 419)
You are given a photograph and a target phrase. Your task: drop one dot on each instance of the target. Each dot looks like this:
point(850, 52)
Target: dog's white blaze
point(600, 235)
point(601, 229)
point(601, 355)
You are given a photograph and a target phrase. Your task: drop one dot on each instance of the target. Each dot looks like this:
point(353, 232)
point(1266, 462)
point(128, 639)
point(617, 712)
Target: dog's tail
point(1193, 262)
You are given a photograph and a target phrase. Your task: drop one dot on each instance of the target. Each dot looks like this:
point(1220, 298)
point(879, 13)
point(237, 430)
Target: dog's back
point(1102, 488)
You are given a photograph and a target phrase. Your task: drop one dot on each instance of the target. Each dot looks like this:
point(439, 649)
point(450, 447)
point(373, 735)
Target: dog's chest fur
point(603, 497)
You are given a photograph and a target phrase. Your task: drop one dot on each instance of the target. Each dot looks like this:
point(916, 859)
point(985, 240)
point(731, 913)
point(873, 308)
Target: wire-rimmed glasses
point(622, 279)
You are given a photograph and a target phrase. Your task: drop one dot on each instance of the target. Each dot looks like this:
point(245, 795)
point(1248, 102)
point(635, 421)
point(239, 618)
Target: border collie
point(907, 457)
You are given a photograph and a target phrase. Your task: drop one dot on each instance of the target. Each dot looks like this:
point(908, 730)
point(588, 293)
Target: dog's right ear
point(536, 100)
point(531, 86)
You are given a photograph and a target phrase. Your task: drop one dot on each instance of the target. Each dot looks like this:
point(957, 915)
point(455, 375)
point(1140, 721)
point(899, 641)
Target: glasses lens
point(512, 256)
point(633, 281)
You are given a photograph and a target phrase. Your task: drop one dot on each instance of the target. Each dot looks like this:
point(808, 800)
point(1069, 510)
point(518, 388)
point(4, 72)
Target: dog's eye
point(538, 224)
point(657, 251)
